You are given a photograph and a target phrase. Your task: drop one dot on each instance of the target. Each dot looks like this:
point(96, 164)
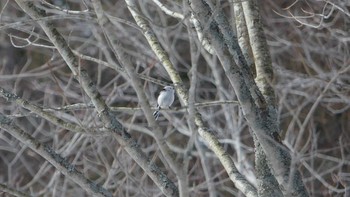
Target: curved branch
point(238, 179)
point(108, 118)
point(261, 120)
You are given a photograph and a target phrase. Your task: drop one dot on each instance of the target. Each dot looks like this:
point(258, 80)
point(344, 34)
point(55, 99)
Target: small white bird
point(165, 99)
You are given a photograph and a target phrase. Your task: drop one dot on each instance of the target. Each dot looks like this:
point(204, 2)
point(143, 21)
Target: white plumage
point(165, 99)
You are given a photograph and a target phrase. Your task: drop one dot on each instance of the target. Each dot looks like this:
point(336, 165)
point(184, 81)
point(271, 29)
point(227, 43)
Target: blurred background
point(310, 48)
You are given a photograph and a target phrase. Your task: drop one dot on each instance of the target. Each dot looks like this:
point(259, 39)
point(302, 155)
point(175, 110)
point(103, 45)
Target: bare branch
point(55, 159)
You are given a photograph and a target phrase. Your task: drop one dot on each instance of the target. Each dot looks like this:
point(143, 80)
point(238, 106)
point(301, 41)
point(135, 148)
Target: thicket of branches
point(79, 82)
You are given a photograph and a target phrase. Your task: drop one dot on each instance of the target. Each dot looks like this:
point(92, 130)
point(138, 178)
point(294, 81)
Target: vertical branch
point(267, 183)
point(261, 120)
point(262, 59)
point(237, 178)
point(126, 63)
point(242, 35)
point(108, 118)
point(194, 51)
point(234, 50)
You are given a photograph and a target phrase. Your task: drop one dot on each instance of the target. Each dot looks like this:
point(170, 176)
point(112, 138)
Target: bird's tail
point(156, 113)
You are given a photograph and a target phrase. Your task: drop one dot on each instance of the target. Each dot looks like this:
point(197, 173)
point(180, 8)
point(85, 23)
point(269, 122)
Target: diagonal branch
point(237, 178)
point(55, 159)
point(267, 183)
point(46, 115)
point(108, 118)
point(12, 191)
point(261, 120)
point(135, 81)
